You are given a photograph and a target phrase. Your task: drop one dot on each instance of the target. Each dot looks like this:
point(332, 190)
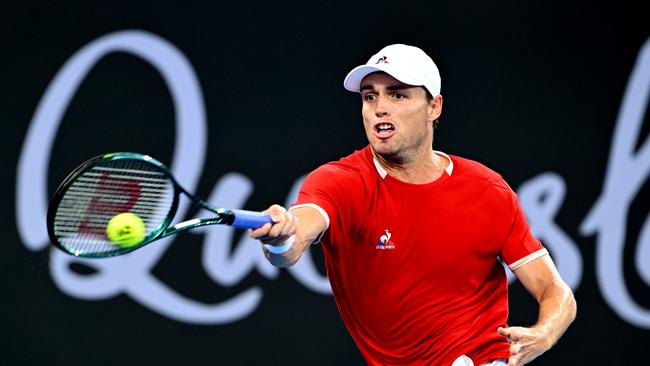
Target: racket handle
point(250, 219)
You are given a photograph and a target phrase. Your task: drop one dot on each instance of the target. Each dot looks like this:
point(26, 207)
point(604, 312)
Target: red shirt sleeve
point(520, 246)
point(323, 188)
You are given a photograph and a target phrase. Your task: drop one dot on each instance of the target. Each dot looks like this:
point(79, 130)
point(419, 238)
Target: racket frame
point(222, 215)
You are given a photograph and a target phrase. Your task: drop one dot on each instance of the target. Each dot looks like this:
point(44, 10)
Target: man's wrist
point(546, 333)
point(279, 249)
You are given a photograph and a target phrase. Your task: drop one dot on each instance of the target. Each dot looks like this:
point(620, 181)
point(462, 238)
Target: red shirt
point(415, 268)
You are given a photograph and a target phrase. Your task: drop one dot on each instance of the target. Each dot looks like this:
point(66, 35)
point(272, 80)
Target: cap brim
point(354, 78)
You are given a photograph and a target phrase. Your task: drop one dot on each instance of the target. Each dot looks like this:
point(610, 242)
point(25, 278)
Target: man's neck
point(422, 168)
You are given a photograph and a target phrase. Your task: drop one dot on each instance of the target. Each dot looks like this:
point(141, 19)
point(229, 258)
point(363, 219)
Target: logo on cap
point(382, 59)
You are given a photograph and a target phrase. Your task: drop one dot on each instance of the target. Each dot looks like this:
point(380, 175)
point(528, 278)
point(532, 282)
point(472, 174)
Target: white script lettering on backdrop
point(627, 171)
point(541, 198)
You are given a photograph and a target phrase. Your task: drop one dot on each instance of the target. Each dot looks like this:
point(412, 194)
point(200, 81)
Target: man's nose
point(381, 107)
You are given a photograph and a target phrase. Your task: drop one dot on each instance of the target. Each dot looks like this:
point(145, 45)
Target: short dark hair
point(429, 96)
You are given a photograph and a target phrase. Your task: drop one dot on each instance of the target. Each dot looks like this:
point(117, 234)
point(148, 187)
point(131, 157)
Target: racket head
point(104, 187)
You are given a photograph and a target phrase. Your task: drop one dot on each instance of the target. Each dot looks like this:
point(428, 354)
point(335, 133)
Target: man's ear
point(435, 108)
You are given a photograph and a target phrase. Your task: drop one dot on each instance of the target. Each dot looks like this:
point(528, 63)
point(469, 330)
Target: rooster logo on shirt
point(385, 242)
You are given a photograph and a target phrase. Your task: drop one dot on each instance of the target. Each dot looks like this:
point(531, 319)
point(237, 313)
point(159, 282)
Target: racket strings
point(103, 191)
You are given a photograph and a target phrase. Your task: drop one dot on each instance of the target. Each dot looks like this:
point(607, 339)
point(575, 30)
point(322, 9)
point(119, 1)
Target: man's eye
point(398, 96)
point(369, 97)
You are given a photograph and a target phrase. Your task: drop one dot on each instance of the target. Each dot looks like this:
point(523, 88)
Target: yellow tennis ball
point(125, 229)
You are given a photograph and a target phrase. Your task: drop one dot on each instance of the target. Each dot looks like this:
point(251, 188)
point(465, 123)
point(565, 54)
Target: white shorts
point(466, 361)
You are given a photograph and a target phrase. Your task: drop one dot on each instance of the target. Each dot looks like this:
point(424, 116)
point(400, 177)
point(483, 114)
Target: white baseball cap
point(407, 64)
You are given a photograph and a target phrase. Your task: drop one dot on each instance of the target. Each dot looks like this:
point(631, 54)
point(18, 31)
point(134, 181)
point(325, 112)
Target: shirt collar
point(382, 172)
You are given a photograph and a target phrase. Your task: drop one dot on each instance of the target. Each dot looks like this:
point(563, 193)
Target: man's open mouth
point(384, 129)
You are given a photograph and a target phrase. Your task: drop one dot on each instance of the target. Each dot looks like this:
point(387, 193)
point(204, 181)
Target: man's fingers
point(276, 211)
point(504, 332)
point(514, 349)
point(515, 361)
point(514, 333)
point(278, 227)
point(525, 344)
point(260, 232)
point(284, 225)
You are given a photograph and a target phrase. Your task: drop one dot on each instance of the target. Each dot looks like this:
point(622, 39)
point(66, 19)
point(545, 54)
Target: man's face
point(397, 117)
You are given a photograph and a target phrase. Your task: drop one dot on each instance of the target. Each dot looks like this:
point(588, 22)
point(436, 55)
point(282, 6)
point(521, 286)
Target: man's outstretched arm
point(557, 309)
point(305, 223)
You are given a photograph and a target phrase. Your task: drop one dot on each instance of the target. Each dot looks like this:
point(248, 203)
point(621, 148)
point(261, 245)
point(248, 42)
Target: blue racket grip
point(250, 219)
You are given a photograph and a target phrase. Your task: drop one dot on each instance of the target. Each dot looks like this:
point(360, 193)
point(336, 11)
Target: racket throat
point(190, 224)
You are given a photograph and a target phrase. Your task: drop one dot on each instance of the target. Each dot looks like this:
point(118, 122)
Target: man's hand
point(306, 223)
point(526, 344)
point(284, 226)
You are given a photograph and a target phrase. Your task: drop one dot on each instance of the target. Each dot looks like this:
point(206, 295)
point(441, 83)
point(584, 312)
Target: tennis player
point(414, 238)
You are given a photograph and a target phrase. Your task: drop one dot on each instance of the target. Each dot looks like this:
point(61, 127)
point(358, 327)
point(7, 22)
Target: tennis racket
point(117, 183)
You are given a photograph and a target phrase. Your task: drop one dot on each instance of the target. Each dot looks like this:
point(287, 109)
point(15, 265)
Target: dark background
point(528, 87)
